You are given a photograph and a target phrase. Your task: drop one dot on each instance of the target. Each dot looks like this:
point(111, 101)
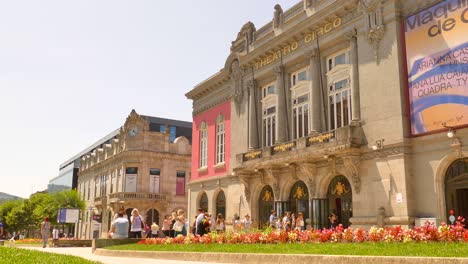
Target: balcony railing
point(343, 137)
point(126, 196)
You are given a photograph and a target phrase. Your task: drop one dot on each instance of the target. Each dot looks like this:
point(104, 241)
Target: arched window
point(203, 145)
point(220, 139)
point(456, 188)
point(204, 202)
point(221, 204)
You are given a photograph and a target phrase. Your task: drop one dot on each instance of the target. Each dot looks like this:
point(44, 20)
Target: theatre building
point(357, 108)
point(145, 165)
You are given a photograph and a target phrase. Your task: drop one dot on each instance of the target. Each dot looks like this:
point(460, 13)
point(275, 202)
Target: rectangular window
point(154, 175)
point(131, 174)
point(301, 116)
point(269, 126)
point(337, 59)
point(270, 89)
point(298, 76)
point(104, 185)
point(180, 183)
point(89, 189)
point(220, 142)
point(339, 104)
point(112, 182)
point(96, 185)
point(203, 146)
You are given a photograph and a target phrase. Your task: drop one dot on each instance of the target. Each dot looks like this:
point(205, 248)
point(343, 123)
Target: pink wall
point(209, 117)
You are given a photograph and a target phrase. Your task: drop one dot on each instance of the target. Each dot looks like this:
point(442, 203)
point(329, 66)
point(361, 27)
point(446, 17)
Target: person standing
point(179, 225)
point(200, 229)
point(247, 222)
point(137, 224)
point(55, 235)
point(220, 225)
point(1, 230)
point(272, 219)
point(166, 225)
point(45, 230)
point(119, 227)
point(300, 225)
point(154, 230)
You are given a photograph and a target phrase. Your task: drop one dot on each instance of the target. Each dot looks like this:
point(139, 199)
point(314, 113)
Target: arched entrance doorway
point(152, 215)
point(203, 203)
point(299, 199)
point(456, 187)
point(340, 200)
point(265, 205)
point(220, 204)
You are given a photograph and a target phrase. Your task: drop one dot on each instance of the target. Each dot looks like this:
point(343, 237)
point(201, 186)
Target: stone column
point(315, 87)
point(355, 99)
point(281, 123)
point(253, 142)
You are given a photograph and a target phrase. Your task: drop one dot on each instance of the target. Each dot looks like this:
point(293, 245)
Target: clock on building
point(133, 131)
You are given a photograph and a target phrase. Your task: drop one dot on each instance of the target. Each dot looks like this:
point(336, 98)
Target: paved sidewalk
point(85, 252)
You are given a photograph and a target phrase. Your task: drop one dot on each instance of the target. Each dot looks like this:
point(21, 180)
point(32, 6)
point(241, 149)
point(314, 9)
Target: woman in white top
point(136, 224)
point(300, 222)
point(220, 225)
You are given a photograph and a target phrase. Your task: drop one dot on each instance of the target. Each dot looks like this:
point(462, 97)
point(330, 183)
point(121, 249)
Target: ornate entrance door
point(340, 200)
point(456, 187)
point(265, 205)
point(299, 199)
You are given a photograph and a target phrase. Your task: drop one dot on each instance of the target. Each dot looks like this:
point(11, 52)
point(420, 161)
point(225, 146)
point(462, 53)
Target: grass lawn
point(368, 248)
point(24, 256)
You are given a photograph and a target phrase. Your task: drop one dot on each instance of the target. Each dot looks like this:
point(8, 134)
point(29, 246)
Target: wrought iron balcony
point(128, 196)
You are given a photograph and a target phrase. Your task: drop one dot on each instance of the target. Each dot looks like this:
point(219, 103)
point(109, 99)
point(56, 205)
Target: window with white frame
point(339, 90)
point(203, 145)
point(300, 116)
point(340, 58)
point(269, 109)
point(104, 185)
point(298, 76)
point(220, 139)
point(269, 89)
point(269, 126)
point(339, 97)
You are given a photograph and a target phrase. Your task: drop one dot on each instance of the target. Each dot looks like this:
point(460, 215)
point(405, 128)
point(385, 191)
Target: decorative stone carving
point(236, 76)
point(247, 33)
point(373, 16)
point(245, 182)
point(310, 170)
point(277, 17)
point(352, 167)
point(309, 3)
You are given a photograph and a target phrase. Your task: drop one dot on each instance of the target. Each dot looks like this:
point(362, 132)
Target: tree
point(5, 209)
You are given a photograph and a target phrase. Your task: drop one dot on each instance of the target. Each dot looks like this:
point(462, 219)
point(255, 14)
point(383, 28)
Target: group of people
point(288, 222)
point(173, 225)
point(204, 223)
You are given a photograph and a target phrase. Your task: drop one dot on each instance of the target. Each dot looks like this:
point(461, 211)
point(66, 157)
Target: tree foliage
point(27, 213)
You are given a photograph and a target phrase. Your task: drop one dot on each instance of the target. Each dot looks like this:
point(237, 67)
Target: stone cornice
point(199, 109)
point(208, 85)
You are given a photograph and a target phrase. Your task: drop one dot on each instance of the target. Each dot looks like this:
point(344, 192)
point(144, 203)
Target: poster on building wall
point(154, 184)
point(437, 60)
point(130, 183)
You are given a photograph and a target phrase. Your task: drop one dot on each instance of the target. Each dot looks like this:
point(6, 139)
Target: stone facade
point(320, 120)
point(138, 168)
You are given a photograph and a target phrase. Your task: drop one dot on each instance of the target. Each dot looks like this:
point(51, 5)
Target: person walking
point(45, 230)
point(137, 224)
point(220, 225)
point(272, 219)
point(55, 235)
point(166, 225)
point(300, 225)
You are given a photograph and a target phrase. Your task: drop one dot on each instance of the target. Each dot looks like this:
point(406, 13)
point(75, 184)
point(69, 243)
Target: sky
point(71, 71)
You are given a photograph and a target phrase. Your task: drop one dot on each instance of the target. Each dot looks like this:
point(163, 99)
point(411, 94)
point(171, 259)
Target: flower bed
point(426, 233)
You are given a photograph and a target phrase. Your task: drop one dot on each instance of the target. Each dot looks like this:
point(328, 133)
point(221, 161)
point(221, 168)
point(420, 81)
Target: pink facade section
point(209, 117)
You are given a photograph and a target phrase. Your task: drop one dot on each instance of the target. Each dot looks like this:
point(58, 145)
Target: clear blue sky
point(71, 71)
